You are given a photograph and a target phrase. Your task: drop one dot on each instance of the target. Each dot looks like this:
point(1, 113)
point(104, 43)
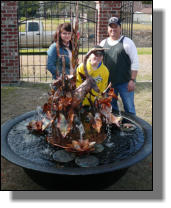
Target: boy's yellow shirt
point(101, 76)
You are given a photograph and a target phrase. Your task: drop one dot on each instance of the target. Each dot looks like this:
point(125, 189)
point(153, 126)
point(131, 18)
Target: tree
point(146, 2)
point(28, 8)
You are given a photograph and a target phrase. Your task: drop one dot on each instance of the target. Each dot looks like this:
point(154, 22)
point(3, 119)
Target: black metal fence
point(37, 22)
point(126, 15)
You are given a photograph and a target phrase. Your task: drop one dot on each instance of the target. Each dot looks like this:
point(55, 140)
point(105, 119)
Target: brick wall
point(106, 9)
point(9, 43)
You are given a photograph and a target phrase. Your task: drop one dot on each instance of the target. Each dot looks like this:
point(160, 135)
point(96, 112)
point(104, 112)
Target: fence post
point(106, 9)
point(9, 43)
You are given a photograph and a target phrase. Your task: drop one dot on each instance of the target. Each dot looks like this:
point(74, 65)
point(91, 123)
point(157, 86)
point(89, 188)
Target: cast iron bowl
point(41, 173)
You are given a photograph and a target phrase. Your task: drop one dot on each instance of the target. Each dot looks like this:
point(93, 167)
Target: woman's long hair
point(57, 36)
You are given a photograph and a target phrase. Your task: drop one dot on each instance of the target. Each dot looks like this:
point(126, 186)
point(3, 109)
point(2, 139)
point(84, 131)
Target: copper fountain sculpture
point(72, 127)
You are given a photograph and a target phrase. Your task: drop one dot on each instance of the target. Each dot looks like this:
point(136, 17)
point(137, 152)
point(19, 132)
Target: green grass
point(42, 86)
point(141, 51)
point(144, 51)
point(143, 101)
point(143, 96)
point(31, 50)
point(36, 50)
point(143, 27)
point(6, 91)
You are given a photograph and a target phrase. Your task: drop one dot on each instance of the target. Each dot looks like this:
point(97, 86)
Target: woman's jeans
point(127, 98)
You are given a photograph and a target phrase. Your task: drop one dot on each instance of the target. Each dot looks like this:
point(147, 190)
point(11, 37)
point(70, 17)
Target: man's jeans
point(127, 98)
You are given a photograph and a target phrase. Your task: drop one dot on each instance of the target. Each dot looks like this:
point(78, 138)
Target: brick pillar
point(106, 9)
point(9, 43)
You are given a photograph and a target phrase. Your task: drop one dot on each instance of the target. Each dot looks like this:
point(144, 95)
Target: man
point(121, 60)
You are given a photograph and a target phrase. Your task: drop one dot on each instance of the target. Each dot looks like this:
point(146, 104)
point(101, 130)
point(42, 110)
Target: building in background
point(142, 13)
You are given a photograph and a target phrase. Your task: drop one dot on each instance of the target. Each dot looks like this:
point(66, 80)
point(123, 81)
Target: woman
point(97, 70)
point(61, 47)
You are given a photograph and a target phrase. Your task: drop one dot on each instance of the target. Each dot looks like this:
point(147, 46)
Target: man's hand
point(131, 85)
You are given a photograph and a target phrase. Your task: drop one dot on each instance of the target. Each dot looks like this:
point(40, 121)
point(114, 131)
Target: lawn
point(144, 51)
point(146, 27)
point(25, 98)
point(143, 101)
point(141, 51)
